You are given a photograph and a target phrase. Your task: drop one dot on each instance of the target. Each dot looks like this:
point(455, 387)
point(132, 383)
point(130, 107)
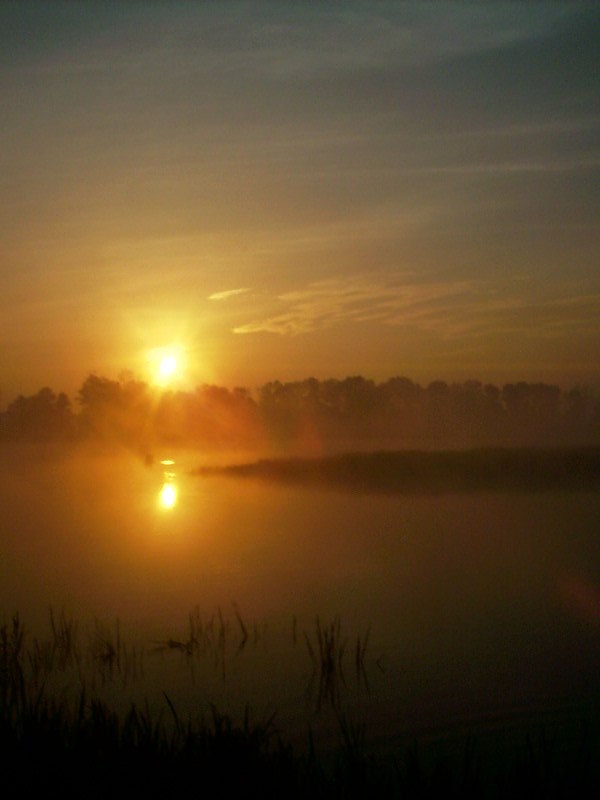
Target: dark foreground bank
point(97, 754)
point(67, 742)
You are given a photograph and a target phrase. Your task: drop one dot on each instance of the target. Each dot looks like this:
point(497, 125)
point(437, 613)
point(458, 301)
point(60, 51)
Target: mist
point(309, 417)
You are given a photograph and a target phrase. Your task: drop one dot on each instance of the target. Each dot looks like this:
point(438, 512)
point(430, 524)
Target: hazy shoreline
point(414, 471)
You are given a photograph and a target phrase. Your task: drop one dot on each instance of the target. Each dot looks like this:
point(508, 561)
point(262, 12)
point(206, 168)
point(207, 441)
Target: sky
point(284, 190)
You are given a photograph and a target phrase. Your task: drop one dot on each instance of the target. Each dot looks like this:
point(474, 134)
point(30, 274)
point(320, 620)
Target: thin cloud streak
point(227, 294)
point(325, 303)
point(447, 309)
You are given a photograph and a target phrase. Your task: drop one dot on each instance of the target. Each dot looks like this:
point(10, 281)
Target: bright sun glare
point(166, 365)
point(168, 496)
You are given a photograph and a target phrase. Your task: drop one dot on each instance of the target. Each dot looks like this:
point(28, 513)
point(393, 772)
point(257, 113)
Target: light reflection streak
point(167, 497)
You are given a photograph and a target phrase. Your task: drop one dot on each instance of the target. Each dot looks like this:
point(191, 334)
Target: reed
point(327, 648)
point(59, 737)
point(214, 637)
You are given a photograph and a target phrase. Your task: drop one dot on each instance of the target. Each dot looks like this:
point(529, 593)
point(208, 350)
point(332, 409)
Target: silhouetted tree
point(114, 410)
point(41, 416)
point(311, 414)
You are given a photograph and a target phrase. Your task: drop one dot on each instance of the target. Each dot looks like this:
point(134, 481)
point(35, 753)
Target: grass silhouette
point(60, 738)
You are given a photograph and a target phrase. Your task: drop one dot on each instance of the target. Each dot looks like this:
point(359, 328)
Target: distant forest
point(310, 416)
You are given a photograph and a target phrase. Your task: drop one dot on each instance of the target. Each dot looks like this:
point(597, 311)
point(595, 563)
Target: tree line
point(310, 414)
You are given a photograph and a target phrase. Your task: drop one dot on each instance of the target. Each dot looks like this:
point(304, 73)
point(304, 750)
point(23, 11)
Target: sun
point(166, 365)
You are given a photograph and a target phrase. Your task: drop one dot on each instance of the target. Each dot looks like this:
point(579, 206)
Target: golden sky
point(286, 190)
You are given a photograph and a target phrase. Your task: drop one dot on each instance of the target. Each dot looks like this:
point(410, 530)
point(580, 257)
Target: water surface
point(480, 605)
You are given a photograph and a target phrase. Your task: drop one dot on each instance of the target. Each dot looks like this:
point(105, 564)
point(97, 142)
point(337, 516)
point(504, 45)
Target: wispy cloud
point(452, 309)
point(227, 294)
point(325, 303)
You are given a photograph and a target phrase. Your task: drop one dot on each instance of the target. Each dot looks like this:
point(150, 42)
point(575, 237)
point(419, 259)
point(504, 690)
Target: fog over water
point(478, 602)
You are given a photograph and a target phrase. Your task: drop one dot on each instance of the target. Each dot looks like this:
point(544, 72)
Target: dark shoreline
point(432, 472)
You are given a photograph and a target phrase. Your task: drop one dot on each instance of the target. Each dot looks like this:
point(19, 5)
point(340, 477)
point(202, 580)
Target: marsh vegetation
point(61, 736)
point(417, 472)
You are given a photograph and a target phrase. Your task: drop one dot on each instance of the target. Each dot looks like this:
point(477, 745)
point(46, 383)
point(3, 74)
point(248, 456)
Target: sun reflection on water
point(167, 497)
